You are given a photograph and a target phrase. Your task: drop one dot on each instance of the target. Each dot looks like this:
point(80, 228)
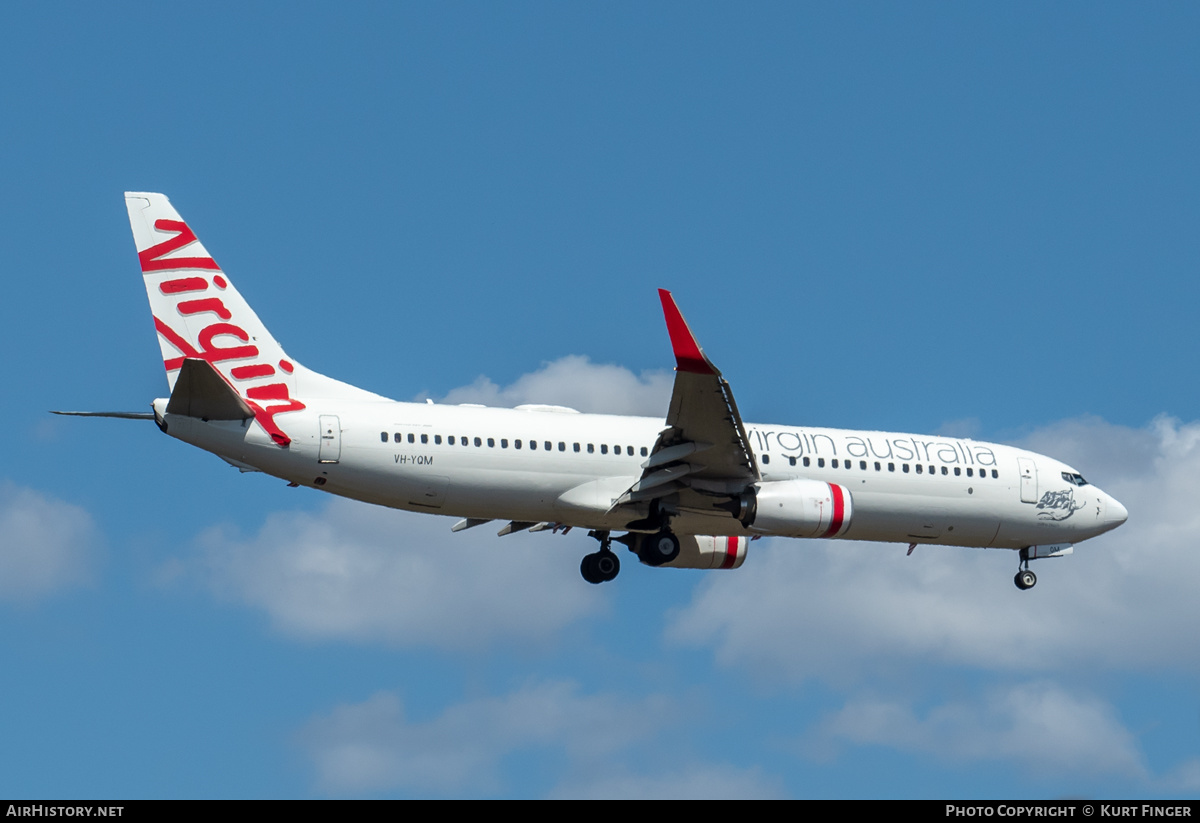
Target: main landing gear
point(1025, 579)
point(656, 549)
point(601, 566)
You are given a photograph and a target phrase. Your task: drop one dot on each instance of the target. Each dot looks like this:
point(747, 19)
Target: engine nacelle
point(796, 508)
point(702, 551)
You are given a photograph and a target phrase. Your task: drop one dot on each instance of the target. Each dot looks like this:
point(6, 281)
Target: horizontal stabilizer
point(119, 415)
point(200, 391)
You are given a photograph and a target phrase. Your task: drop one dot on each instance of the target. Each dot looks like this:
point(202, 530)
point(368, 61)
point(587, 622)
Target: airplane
point(689, 490)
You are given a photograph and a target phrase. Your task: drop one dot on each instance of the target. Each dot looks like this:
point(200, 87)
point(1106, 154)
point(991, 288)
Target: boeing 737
point(689, 490)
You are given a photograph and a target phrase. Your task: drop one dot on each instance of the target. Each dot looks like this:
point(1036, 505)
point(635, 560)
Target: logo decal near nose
point(1058, 505)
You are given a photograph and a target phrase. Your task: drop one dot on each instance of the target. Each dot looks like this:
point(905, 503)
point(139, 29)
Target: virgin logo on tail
point(192, 297)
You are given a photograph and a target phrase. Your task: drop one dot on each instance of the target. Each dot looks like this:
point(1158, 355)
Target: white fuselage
point(568, 468)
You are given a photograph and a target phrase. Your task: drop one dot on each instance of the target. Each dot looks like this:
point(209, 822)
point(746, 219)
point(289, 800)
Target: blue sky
point(951, 217)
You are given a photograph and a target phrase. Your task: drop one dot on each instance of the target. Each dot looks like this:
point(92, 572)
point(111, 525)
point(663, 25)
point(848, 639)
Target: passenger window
point(807, 462)
point(533, 445)
point(604, 448)
point(645, 452)
point(791, 460)
point(957, 471)
point(862, 464)
point(945, 470)
point(504, 442)
point(491, 443)
point(878, 467)
point(918, 468)
point(629, 450)
point(478, 442)
point(412, 438)
point(450, 440)
point(547, 445)
point(820, 462)
point(766, 459)
point(591, 449)
point(995, 474)
point(576, 445)
point(516, 444)
point(833, 463)
point(464, 441)
point(424, 438)
point(904, 467)
point(969, 473)
point(891, 467)
point(437, 440)
point(383, 436)
point(562, 447)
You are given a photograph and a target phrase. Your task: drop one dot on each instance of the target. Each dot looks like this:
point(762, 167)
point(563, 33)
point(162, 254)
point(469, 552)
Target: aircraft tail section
point(201, 392)
point(199, 315)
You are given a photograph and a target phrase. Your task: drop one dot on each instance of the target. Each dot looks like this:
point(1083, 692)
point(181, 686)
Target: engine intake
point(702, 551)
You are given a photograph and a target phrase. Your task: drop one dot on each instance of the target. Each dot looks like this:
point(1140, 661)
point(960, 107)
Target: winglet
point(688, 355)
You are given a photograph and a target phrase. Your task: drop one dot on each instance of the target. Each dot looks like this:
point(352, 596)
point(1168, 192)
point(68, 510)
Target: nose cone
point(1114, 513)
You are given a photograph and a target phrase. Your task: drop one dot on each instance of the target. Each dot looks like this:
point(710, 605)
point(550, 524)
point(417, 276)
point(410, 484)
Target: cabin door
point(1028, 480)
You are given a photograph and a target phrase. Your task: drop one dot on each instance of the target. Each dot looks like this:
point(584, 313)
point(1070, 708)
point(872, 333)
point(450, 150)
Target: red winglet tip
point(688, 355)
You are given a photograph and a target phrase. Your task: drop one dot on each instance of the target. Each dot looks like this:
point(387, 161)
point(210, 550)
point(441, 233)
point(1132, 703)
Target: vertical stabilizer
point(199, 315)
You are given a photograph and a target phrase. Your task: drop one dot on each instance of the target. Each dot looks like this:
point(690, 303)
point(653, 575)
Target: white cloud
point(837, 611)
point(577, 382)
point(693, 781)
point(374, 747)
point(1184, 778)
point(1039, 727)
point(364, 573)
point(46, 544)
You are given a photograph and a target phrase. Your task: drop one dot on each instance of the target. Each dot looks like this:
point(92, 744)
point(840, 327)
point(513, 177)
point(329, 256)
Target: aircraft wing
point(704, 448)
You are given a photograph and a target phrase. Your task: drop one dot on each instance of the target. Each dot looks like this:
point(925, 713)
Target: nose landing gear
point(1025, 579)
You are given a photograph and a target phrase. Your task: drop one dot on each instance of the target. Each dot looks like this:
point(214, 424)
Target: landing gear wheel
point(600, 567)
point(607, 565)
point(659, 549)
point(587, 567)
point(1025, 579)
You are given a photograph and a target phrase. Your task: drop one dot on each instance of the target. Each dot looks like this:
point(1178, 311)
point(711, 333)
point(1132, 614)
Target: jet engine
point(703, 551)
point(795, 508)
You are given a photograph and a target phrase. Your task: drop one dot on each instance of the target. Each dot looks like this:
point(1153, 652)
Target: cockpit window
point(1075, 479)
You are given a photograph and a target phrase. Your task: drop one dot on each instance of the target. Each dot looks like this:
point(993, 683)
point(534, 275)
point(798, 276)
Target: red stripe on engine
point(731, 547)
point(839, 510)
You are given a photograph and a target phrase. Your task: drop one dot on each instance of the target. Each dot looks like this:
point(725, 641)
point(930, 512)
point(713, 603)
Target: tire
point(607, 566)
point(659, 549)
point(587, 567)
